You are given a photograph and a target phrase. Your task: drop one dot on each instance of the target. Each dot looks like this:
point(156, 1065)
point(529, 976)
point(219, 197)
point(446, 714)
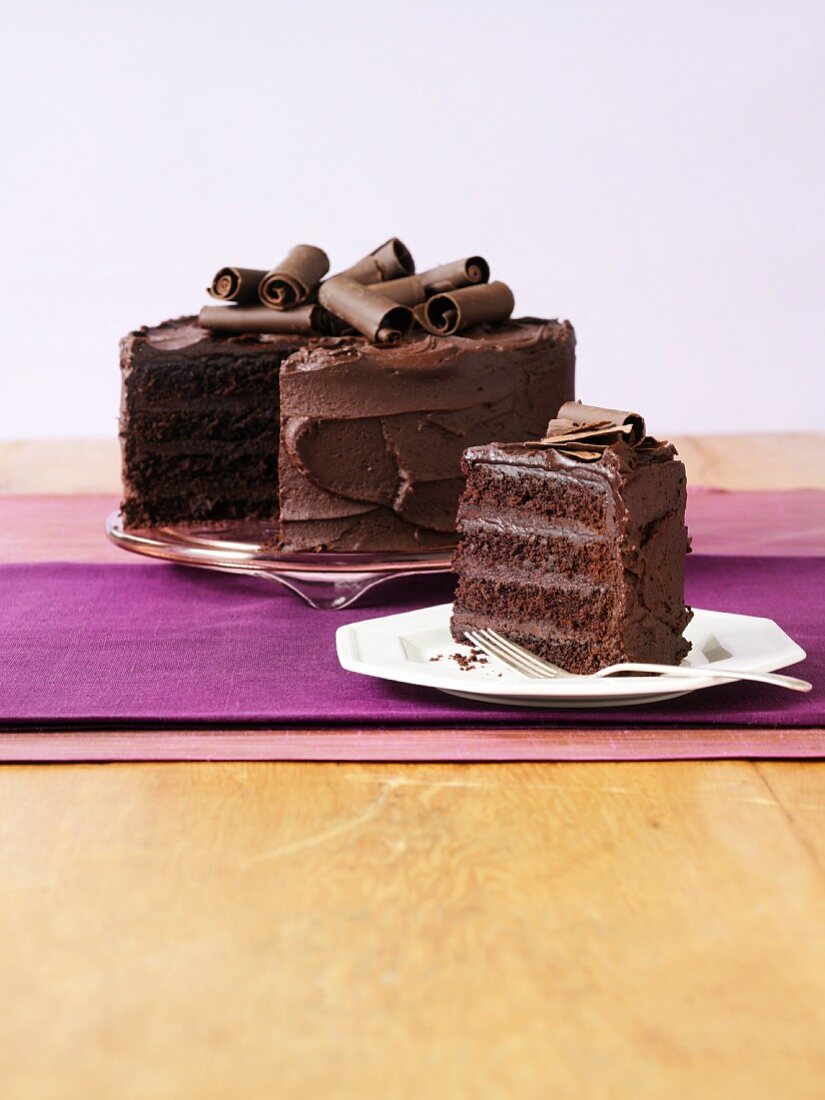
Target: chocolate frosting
point(439, 373)
point(368, 428)
point(617, 460)
point(184, 334)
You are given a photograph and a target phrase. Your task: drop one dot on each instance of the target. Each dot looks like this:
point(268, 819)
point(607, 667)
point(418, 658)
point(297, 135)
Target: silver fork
point(528, 664)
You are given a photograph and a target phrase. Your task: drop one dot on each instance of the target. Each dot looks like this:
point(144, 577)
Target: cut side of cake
point(199, 424)
point(579, 561)
point(342, 444)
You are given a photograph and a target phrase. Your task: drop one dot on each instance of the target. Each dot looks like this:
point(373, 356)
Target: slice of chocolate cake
point(574, 546)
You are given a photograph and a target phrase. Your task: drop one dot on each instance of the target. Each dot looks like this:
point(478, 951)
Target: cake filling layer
point(226, 379)
point(567, 608)
point(558, 555)
point(582, 507)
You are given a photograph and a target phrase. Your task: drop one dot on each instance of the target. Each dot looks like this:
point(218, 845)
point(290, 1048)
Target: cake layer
point(487, 547)
point(207, 405)
point(199, 432)
point(567, 608)
point(516, 492)
point(583, 654)
point(563, 608)
point(235, 504)
point(202, 471)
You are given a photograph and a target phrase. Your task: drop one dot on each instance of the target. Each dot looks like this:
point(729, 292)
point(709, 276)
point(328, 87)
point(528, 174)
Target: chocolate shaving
point(295, 278)
point(405, 292)
point(565, 431)
point(586, 454)
point(468, 272)
point(236, 284)
point(376, 317)
point(391, 260)
point(460, 309)
point(306, 319)
point(584, 431)
point(577, 421)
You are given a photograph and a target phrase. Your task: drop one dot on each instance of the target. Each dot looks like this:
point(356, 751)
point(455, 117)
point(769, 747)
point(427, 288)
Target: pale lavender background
point(654, 171)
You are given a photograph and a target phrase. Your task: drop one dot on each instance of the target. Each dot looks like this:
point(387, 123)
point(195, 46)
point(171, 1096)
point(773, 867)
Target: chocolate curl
point(378, 318)
point(471, 305)
point(294, 279)
point(392, 260)
point(305, 320)
point(594, 425)
point(587, 453)
point(236, 284)
point(405, 292)
point(469, 272)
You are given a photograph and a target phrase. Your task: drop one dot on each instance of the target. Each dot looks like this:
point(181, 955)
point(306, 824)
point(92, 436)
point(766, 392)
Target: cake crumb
point(468, 661)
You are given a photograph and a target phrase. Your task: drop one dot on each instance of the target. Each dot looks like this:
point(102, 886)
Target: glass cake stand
point(324, 579)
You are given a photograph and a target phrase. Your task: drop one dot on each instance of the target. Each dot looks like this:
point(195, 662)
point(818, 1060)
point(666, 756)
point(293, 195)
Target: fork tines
point(512, 655)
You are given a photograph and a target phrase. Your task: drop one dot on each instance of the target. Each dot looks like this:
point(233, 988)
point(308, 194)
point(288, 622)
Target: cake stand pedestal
point(326, 580)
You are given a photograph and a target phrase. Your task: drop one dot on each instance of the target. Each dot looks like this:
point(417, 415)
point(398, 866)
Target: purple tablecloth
point(156, 644)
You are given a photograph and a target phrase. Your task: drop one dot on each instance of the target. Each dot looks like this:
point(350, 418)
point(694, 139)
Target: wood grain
point(60, 466)
point(764, 461)
point(349, 931)
point(400, 745)
point(746, 461)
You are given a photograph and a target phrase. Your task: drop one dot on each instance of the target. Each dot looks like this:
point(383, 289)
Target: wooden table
point(322, 930)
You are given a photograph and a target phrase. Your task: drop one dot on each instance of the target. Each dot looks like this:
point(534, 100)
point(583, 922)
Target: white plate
point(416, 648)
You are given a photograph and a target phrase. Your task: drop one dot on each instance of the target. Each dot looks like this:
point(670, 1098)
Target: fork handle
point(686, 673)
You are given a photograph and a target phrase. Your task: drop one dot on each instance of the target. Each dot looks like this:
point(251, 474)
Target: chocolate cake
point(573, 546)
point(351, 444)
